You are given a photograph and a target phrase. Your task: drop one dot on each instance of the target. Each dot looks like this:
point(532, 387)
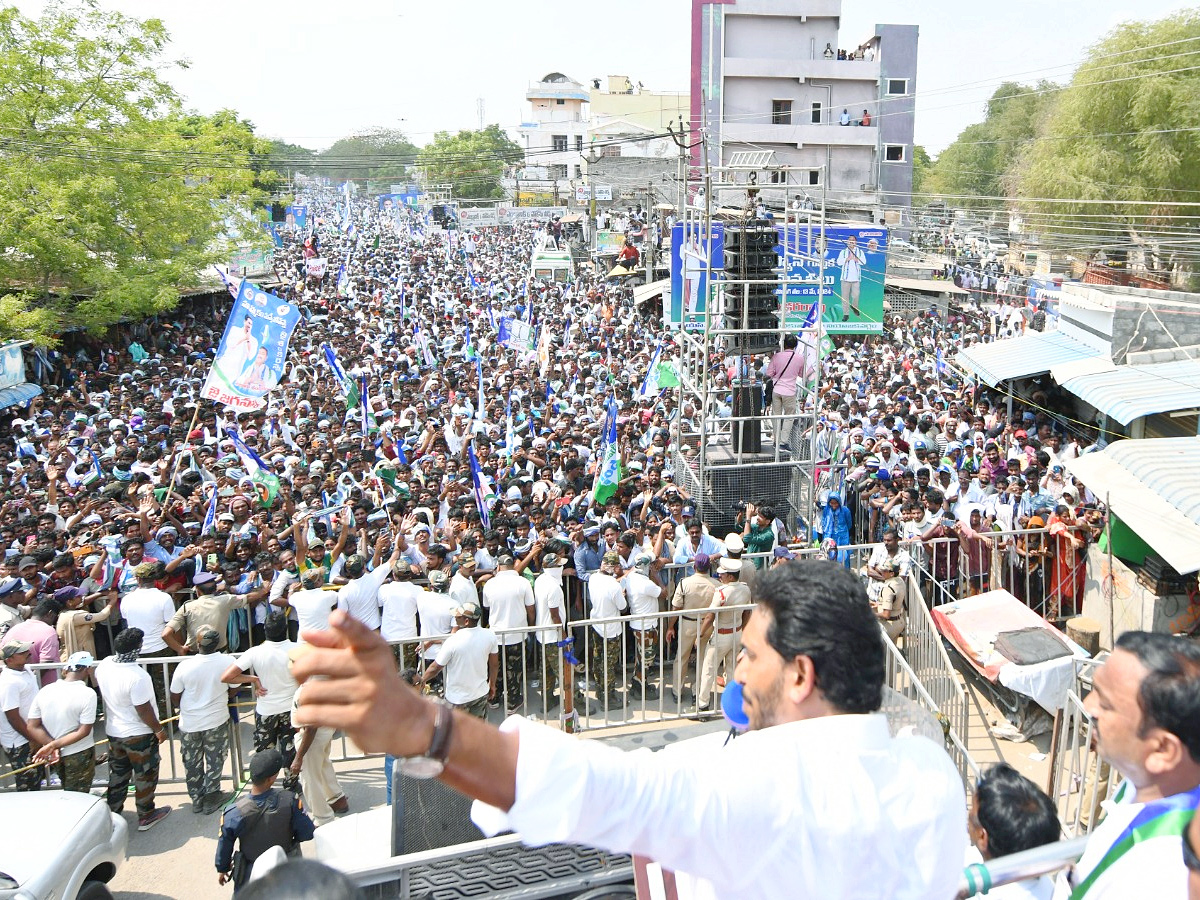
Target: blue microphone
point(733, 709)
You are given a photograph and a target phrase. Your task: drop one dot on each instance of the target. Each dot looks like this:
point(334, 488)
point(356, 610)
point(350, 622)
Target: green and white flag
point(265, 482)
point(608, 476)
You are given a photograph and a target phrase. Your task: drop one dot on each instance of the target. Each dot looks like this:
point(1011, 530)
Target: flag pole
point(186, 444)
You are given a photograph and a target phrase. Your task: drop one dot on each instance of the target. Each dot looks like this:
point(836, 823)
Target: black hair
point(302, 879)
point(1016, 814)
point(47, 607)
point(1169, 696)
point(819, 610)
point(767, 512)
point(789, 342)
point(129, 640)
point(275, 627)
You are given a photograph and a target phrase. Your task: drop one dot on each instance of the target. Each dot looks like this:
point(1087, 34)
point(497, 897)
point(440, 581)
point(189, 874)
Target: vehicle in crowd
point(70, 846)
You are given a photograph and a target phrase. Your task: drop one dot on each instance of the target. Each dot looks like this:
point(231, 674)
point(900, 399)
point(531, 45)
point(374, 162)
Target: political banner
point(515, 334)
point(690, 290)
point(481, 217)
point(609, 243)
point(315, 267)
point(855, 263)
point(509, 215)
point(296, 216)
point(253, 350)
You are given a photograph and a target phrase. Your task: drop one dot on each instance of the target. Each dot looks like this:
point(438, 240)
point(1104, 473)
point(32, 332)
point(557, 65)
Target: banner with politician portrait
point(691, 251)
point(252, 353)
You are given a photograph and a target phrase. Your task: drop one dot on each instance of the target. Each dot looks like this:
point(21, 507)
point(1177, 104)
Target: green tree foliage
point(974, 167)
point(380, 154)
point(285, 157)
point(921, 164)
point(472, 161)
point(1124, 129)
point(110, 193)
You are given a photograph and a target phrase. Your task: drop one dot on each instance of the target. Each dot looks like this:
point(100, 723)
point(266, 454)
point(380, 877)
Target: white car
point(69, 846)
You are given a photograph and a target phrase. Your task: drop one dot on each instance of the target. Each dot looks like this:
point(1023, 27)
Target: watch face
point(421, 767)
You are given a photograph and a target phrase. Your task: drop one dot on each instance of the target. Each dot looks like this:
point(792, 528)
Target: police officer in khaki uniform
point(266, 818)
point(722, 629)
point(693, 594)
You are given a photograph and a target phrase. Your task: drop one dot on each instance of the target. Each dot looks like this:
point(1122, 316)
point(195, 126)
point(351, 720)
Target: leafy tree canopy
point(379, 154)
point(471, 161)
point(112, 193)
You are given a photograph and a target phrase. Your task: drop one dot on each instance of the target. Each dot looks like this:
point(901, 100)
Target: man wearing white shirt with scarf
point(818, 800)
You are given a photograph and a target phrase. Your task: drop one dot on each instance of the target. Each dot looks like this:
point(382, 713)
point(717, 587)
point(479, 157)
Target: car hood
point(47, 821)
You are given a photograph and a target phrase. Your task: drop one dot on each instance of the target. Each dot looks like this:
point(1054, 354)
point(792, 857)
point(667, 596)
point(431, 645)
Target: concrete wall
point(776, 36)
point(1159, 326)
point(897, 119)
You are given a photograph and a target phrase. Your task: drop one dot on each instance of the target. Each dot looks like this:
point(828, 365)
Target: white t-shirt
point(124, 686)
point(269, 661)
point(506, 595)
point(548, 592)
point(464, 656)
point(313, 608)
point(63, 706)
point(398, 607)
point(435, 612)
point(18, 688)
point(642, 594)
point(360, 597)
point(150, 610)
point(204, 703)
point(463, 589)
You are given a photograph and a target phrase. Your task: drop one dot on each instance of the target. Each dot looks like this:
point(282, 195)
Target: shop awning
point(1129, 392)
point(1035, 353)
point(18, 393)
point(650, 291)
point(1154, 487)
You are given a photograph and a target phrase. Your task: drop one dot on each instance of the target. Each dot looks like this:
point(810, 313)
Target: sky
point(310, 72)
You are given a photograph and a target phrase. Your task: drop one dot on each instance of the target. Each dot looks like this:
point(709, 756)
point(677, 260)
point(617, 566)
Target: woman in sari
point(1065, 569)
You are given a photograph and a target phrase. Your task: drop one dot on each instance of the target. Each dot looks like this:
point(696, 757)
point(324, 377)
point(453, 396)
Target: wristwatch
point(433, 762)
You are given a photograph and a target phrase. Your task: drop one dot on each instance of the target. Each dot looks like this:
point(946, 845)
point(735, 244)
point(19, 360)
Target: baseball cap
point(784, 553)
point(208, 637)
point(438, 579)
point(265, 764)
point(12, 648)
point(469, 610)
point(81, 659)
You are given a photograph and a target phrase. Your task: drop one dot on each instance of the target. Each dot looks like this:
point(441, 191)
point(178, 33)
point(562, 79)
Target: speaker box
point(427, 815)
point(747, 436)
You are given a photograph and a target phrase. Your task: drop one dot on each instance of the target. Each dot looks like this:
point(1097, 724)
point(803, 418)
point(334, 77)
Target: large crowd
point(460, 491)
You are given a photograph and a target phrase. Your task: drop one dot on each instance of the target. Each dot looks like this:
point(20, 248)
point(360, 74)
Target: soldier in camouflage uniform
point(62, 718)
point(203, 704)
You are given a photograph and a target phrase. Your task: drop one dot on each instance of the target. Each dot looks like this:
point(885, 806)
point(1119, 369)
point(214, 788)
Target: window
point(893, 152)
point(781, 112)
point(557, 173)
point(560, 102)
point(579, 143)
point(897, 86)
point(578, 171)
point(816, 113)
point(814, 177)
point(559, 143)
point(778, 177)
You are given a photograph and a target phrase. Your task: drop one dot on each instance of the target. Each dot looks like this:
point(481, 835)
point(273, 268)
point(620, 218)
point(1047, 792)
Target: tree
point(471, 161)
point(1120, 145)
point(379, 154)
point(921, 164)
point(972, 170)
point(284, 157)
point(113, 198)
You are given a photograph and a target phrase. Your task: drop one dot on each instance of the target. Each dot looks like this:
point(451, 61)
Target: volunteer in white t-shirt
point(312, 602)
point(62, 717)
point(203, 703)
point(18, 688)
point(132, 727)
point(644, 591)
point(267, 667)
point(549, 615)
point(398, 616)
point(471, 658)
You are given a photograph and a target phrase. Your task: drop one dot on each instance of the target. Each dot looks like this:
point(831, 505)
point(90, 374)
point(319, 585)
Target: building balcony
point(800, 135)
point(803, 69)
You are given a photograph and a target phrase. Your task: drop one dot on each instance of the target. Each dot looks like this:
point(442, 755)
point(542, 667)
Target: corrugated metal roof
point(1154, 487)
point(1034, 353)
point(1130, 392)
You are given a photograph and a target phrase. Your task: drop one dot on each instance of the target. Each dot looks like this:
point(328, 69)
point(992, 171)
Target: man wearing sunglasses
point(1145, 709)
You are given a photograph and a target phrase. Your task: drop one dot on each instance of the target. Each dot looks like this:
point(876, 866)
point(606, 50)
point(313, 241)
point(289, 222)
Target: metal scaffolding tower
point(729, 450)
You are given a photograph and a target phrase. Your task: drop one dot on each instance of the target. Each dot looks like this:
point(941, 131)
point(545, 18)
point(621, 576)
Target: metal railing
point(980, 878)
point(1080, 779)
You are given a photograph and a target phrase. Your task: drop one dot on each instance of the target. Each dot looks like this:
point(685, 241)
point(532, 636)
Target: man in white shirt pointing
point(817, 800)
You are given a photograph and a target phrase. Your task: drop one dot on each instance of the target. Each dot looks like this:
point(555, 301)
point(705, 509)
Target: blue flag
point(477, 482)
point(210, 518)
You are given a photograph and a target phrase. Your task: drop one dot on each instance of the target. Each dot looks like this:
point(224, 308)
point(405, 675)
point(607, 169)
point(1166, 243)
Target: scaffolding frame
point(711, 447)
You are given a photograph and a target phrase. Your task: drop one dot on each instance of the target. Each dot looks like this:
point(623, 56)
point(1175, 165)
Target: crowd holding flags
point(660, 375)
point(481, 497)
point(608, 475)
point(265, 482)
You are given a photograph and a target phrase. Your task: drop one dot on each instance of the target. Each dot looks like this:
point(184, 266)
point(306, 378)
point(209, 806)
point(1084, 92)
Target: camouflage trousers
point(406, 656)
point(275, 731)
point(514, 671)
point(19, 758)
point(77, 771)
point(606, 664)
point(136, 759)
point(477, 708)
point(646, 643)
point(203, 760)
point(550, 654)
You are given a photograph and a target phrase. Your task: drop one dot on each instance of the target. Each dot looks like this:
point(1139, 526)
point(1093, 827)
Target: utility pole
point(479, 111)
